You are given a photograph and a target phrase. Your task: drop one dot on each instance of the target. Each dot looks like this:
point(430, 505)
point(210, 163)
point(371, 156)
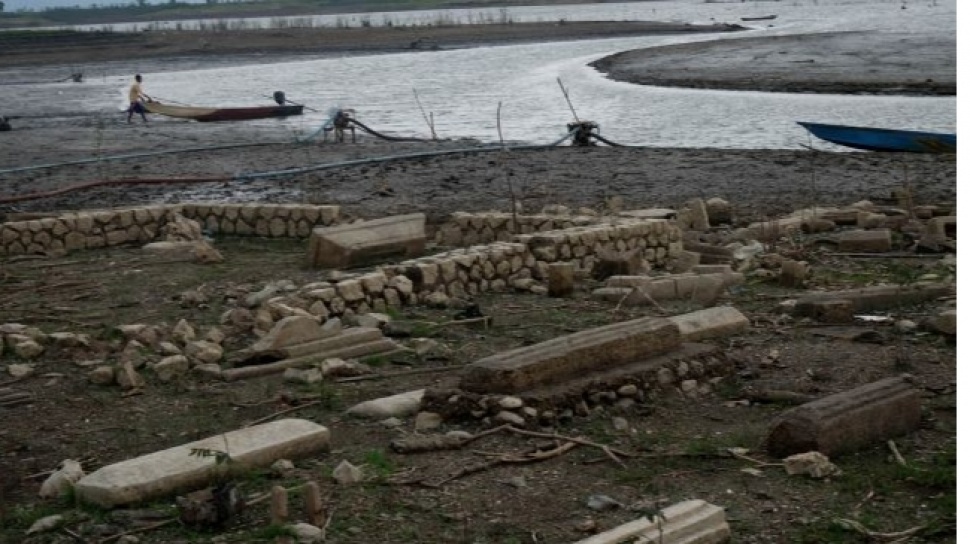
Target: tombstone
point(367, 242)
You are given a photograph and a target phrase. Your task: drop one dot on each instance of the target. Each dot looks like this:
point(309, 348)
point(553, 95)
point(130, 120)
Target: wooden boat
point(223, 114)
point(884, 139)
point(765, 18)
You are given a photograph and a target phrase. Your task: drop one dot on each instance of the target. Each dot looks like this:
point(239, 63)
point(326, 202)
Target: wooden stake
point(313, 504)
point(568, 101)
point(278, 508)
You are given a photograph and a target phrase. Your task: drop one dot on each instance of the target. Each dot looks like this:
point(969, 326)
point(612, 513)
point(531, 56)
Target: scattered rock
point(811, 463)
point(602, 503)
point(347, 474)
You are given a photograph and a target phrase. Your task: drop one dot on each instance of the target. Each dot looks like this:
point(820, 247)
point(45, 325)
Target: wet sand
point(845, 62)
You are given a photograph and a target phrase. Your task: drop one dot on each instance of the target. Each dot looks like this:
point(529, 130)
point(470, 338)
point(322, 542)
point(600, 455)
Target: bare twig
point(611, 452)
point(896, 455)
point(898, 536)
point(74, 535)
point(430, 121)
point(281, 412)
point(506, 459)
point(505, 173)
point(432, 370)
point(144, 529)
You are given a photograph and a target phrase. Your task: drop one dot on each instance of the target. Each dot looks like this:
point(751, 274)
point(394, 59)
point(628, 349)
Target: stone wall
point(520, 265)
point(468, 229)
point(114, 227)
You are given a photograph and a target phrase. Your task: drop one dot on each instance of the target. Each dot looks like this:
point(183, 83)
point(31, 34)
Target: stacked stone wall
point(520, 265)
point(115, 227)
point(468, 229)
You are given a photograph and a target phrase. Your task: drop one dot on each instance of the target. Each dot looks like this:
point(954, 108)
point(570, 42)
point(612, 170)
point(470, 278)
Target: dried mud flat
point(679, 441)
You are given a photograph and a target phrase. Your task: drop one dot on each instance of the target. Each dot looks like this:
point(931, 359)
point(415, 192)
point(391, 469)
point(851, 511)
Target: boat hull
point(883, 139)
point(206, 115)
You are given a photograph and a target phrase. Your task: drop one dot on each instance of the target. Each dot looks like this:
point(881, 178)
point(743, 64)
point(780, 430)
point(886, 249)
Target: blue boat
point(884, 139)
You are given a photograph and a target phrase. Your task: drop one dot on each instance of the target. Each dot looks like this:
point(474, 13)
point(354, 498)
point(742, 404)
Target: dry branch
point(281, 412)
point(413, 372)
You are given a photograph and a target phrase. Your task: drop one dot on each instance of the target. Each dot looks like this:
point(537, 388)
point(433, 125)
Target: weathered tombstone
point(866, 241)
point(164, 472)
point(357, 244)
point(847, 421)
point(572, 356)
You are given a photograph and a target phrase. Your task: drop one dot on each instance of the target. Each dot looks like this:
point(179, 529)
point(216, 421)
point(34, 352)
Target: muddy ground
point(679, 441)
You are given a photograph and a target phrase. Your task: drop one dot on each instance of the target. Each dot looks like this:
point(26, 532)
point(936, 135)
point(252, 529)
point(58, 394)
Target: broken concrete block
point(793, 273)
point(711, 323)
point(866, 241)
point(685, 261)
point(560, 279)
point(572, 356)
point(945, 227)
point(353, 342)
point(356, 244)
point(719, 211)
point(868, 299)
point(400, 405)
point(176, 469)
point(693, 216)
point(710, 254)
point(847, 421)
point(612, 263)
point(811, 463)
point(689, 522)
point(946, 322)
point(290, 331)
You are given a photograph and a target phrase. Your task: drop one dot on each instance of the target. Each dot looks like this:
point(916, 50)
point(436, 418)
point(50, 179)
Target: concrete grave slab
point(869, 299)
point(593, 350)
point(847, 421)
point(174, 470)
point(357, 244)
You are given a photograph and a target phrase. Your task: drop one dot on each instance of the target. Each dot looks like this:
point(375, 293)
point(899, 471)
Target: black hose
point(384, 136)
point(605, 141)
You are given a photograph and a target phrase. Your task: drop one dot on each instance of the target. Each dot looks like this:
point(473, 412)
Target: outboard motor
point(4, 124)
point(279, 97)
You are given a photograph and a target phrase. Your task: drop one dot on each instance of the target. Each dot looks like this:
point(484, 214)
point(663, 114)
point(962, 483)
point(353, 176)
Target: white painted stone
point(400, 405)
point(173, 470)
